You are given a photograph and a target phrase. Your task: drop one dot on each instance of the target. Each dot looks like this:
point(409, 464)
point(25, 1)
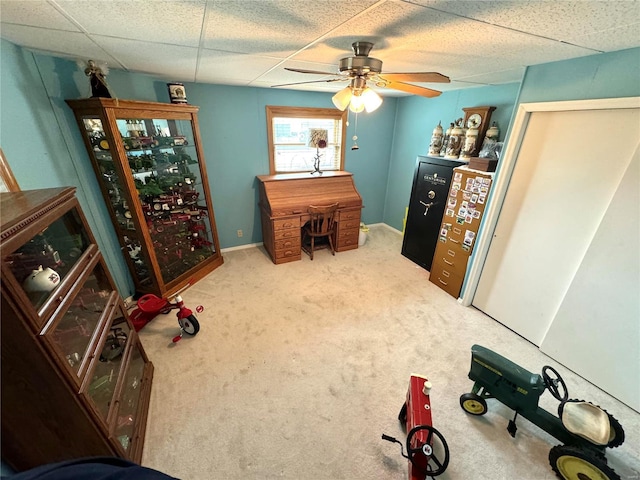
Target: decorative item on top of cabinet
point(445, 140)
point(150, 167)
point(478, 118)
point(436, 141)
point(456, 140)
point(76, 381)
point(465, 205)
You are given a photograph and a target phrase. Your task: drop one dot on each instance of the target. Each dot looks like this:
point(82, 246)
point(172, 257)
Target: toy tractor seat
point(587, 421)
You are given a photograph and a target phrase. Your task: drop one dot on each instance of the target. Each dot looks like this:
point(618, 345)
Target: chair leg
point(312, 246)
point(333, 252)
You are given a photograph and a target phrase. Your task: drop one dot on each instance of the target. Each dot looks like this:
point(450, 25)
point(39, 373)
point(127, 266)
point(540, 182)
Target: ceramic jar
point(454, 145)
point(469, 147)
point(436, 141)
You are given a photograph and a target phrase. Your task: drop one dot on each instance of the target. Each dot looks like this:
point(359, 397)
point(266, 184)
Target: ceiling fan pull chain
point(355, 134)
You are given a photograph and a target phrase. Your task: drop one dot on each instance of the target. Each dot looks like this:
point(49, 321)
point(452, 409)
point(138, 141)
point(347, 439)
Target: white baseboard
point(259, 244)
point(241, 247)
point(388, 227)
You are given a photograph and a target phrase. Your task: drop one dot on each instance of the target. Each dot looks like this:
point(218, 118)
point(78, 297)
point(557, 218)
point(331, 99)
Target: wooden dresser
point(283, 205)
point(465, 206)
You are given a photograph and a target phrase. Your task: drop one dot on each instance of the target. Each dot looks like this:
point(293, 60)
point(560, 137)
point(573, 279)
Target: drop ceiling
point(250, 42)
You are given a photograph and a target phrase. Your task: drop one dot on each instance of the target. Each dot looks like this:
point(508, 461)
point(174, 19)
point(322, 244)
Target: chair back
point(322, 219)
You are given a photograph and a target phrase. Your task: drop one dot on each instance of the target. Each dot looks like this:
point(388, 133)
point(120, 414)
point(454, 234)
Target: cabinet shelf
point(150, 166)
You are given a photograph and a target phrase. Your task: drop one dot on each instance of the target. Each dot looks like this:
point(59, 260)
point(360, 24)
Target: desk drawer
point(349, 215)
point(291, 243)
point(285, 234)
point(347, 239)
point(288, 255)
point(285, 223)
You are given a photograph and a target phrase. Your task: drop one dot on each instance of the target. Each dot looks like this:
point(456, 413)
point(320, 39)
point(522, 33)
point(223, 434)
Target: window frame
point(303, 112)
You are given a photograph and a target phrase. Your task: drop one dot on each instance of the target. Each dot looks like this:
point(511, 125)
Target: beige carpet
point(299, 368)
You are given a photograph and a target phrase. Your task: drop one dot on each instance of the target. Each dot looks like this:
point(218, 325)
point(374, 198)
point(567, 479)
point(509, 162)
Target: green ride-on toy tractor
point(585, 429)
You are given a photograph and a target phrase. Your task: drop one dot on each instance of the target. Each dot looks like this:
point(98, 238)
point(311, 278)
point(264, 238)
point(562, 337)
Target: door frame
point(505, 171)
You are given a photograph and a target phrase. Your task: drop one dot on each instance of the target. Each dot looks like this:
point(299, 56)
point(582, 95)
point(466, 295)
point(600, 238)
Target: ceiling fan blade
point(316, 72)
point(417, 77)
point(413, 89)
point(311, 81)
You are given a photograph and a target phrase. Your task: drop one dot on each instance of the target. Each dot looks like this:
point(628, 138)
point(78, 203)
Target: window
point(288, 137)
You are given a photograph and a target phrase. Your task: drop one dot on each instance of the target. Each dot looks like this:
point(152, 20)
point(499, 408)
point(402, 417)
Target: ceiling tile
point(58, 43)
point(223, 67)
point(274, 27)
point(172, 22)
point(562, 20)
point(496, 77)
point(179, 63)
point(415, 38)
point(35, 13)
point(619, 38)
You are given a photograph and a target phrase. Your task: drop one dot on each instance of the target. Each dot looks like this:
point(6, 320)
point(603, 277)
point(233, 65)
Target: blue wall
point(39, 135)
point(40, 139)
point(415, 121)
point(608, 75)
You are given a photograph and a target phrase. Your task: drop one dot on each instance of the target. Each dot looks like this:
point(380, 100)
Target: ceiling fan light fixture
point(370, 99)
point(357, 104)
point(342, 98)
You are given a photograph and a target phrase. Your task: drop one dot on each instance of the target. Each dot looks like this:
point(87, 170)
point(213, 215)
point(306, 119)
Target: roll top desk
point(283, 206)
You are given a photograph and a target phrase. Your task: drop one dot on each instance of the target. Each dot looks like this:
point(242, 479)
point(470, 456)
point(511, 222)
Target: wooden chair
point(321, 225)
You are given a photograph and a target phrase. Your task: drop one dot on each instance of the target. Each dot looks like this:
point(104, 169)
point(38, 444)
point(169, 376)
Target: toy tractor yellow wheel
point(574, 463)
point(473, 404)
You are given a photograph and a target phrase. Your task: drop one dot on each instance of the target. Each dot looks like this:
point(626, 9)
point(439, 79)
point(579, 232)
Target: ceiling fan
point(362, 68)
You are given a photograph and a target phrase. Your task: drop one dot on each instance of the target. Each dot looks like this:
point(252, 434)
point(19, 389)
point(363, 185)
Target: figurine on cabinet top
point(97, 79)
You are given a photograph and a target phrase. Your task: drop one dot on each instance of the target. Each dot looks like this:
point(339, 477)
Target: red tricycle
point(150, 305)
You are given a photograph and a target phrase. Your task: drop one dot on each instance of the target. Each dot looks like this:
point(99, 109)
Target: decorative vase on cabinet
point(150, 166)
point(76, 381)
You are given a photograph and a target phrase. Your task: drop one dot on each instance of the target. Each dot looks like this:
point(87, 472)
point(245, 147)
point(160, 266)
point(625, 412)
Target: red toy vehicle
point(427, 450)
point(150, 305)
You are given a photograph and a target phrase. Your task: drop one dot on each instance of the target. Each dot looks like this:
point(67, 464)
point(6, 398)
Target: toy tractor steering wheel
point(553, 382)
point(427, 450)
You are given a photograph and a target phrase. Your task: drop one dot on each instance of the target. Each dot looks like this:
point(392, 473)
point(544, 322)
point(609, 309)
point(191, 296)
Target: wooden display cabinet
point(76, 381)
point(150, 166)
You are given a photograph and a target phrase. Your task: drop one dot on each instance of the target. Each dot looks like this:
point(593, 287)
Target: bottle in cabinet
point(150, 166)
point(76, 381)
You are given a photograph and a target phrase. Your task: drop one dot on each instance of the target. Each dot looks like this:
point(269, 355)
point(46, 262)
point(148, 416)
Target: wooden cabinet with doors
point(76, 381)
point(465, 205)
point(150, 165)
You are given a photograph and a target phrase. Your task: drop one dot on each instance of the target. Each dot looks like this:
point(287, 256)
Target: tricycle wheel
point(575, 463)
point(473, 404)
point(428, 450)
point(189, 325)
point(552, 383)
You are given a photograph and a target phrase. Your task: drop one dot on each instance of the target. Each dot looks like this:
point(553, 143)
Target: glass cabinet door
point(40, 264)
point(164, 163)
point(74, 333)
point(108, 364)
point(116, 192)
point(125, 422)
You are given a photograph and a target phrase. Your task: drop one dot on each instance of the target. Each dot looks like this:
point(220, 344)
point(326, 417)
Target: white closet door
point(600, 338)
point(568, 168)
